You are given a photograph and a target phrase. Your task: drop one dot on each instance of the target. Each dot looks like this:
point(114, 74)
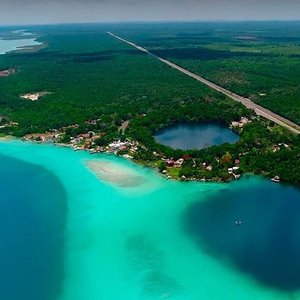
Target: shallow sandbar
point(116, 174)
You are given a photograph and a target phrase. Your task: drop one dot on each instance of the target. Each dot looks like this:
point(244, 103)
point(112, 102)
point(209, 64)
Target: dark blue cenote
point(254, 227)
point(195, 135)
point(32, 221)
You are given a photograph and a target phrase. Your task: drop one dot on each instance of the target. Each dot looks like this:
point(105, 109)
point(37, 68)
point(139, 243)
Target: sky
point(70, 11)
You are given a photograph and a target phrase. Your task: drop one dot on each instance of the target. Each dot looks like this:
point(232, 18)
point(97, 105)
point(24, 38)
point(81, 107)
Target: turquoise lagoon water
point(195, 136)
point(11, 45)
point(142, 242)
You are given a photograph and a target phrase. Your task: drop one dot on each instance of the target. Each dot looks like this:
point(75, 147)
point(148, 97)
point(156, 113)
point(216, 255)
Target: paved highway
point(259, 110)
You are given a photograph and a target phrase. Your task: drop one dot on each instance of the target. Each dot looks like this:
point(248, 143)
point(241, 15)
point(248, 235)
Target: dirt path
point(123, 127)
point(259, 110)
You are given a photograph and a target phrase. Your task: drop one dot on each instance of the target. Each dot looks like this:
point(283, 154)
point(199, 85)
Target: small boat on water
point(238, 223)
point(276, 179)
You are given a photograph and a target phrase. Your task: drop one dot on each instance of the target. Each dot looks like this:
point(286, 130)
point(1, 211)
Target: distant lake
point(18, 44)
point(195, 136)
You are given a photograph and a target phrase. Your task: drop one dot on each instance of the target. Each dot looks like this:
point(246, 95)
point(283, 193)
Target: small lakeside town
point(127, 148)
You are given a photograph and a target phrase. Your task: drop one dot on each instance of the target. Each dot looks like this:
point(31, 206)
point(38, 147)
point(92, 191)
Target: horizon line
point(153, 21)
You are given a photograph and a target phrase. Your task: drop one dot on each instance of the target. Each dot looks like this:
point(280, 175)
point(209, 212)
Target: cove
point(195, 136)
point(266, 244)
point(32, 220)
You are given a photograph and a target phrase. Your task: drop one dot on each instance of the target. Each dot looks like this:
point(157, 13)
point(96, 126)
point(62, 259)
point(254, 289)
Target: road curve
point(259, 110)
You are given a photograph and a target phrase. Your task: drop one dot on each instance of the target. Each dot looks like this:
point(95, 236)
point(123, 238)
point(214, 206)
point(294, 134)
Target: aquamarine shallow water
point(131, 243)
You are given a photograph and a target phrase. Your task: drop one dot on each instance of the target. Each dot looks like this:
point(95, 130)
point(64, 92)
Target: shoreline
point(107, 174)
point(8, 138)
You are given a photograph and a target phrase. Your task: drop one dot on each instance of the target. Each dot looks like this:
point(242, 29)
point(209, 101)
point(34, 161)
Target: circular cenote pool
point(195, 136)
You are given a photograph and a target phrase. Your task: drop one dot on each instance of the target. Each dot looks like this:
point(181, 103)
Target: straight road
point(259, 110)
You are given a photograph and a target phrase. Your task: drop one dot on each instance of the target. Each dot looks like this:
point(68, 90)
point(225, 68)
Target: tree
point(226, 158)
point(161, 166)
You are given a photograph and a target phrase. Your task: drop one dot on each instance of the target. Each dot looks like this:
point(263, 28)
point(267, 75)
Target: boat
point(237, 223)
point(276, 179)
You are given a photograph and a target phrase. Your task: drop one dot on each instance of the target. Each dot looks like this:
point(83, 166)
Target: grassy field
point(257, 60)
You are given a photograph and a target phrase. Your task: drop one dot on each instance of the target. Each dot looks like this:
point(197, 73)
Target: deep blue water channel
point(195, 136)
point(266, 245)
point(32, 220)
